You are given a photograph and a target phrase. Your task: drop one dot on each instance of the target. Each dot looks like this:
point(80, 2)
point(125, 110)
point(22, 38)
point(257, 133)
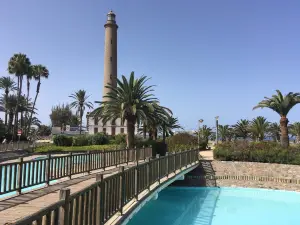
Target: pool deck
point(16, 207)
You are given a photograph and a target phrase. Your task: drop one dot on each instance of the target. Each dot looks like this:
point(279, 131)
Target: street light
point(217, 126)
point(200, 121)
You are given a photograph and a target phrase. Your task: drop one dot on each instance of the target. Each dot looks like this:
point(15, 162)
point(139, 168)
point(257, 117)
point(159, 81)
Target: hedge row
point(265, 152)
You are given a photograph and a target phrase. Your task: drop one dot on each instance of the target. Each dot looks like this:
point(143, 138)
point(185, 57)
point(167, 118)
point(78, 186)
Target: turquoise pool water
point(220, 206)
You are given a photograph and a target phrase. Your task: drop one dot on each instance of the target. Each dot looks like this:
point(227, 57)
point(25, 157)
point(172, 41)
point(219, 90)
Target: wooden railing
point(23, 174)
point(96, 204)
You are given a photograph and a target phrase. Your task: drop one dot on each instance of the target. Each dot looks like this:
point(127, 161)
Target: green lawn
point(77, 148)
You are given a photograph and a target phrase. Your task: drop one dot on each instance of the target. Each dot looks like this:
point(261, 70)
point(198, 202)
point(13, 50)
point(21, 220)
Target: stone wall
point(257, 175)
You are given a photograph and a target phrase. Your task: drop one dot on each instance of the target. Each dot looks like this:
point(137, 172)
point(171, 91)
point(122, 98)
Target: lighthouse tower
point(95, 125)
point(110, 52)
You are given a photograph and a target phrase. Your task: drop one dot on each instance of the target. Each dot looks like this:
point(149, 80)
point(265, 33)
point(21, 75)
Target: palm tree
point(8, 85)
point(80, 103)
point(274, 131)
point(168, 127)
point(131, 101)
point(282, 105)
point(38, 72)
point(295, 130)
point(258, 128)
point(18, 65)
point(9, 103)
point(205, 133)
point(241, 129)
point(224, 132)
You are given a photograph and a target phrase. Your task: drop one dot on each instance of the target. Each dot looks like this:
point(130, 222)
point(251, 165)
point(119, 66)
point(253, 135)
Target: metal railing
point(96, 204)
point(23, 174)
point(22, 145)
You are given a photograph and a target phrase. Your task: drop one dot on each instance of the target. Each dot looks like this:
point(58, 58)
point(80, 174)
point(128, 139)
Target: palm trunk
point(27, 100)
point(6, 97)
point(284, 139)
point(38, 86)
point(20, 81)
point(164, 133)
point(10, 121)
point(81, 115)
point(144, 131)
point(130, 132)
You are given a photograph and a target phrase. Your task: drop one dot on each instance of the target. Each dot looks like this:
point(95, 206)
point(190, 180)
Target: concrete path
point(207, 154)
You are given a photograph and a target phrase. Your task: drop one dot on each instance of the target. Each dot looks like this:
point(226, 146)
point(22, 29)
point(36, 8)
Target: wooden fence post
point(104, 160)
point(89, 162)
point(122, 188)
point(175, 154)
point(48, 171)
point(70, 165)
point(144, 149)
point(101, 199)
point(136, 154)
point(20, 168)
point(136, 181)
point(158, 167)
point(167, 163)
point(148, 172)
point(64, 194)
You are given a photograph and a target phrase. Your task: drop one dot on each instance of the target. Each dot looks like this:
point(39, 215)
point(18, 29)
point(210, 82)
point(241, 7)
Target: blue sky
point(207, 58)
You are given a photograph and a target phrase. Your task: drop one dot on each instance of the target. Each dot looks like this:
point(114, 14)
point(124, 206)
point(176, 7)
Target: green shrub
point(62, 140)
point(98, 139)
point(265, 152)
point(54, 148)
point(181, 142)
point(120, 138)
point(81, 140)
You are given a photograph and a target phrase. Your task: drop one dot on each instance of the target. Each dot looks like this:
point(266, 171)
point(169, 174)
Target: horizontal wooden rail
point(96, 204)
point(24, 174)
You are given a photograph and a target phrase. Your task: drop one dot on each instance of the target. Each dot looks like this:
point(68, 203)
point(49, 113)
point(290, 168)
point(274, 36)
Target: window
point(122, 130)
point(111, 59)
point(113, 131)
point(113, 122)
point(95, 130)
point(104, 130)
point(96, 120)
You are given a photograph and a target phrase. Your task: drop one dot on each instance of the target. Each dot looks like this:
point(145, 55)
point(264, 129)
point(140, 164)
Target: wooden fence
point(23, 174)
point(96, 204)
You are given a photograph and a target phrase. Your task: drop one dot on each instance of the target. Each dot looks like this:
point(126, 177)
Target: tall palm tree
point(274, 131)
point(282, 105)
point(168, 127)
point(205, 133)
point(295, 130)
point(224, 131)
point(38, 72)
point(241, 128)
point(18, 65)
point(80, 103)
point(131, 101)
point(258, 128)
point(9, 104)
point(8, 85)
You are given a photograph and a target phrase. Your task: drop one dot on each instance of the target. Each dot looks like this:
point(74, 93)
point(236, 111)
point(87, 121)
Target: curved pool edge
point(137, 205)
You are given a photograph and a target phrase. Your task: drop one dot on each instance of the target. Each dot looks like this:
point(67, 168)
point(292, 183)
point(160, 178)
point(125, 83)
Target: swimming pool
point(220, 206)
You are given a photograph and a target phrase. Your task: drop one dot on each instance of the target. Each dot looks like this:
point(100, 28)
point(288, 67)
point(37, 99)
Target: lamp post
point(217, 127)
point(200, 121)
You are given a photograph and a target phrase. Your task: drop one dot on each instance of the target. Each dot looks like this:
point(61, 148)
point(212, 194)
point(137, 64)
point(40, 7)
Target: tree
point(8, 85)
point(258, 128)
point(241, 129)
point(18, 65)
point(274, 131)
point(282, 105)
point(131, 101)
point(38, 72)
point(295, 130)
point(224, 131)
point(205, 133)
point(169, 127)
point(44, 130)
point(9, 104)
point(61, 115)
point(80, 103)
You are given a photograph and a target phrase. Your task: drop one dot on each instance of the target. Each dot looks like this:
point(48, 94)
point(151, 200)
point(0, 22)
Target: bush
point(181, 141)
point(62, 140)
point(81, 140)
point(265, 152)
point(120, 139)
point(98, 139)
point(53, 148)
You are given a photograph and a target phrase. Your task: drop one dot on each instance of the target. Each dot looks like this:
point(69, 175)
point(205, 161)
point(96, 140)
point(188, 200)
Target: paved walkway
point(207, 154)
point(17, 207)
